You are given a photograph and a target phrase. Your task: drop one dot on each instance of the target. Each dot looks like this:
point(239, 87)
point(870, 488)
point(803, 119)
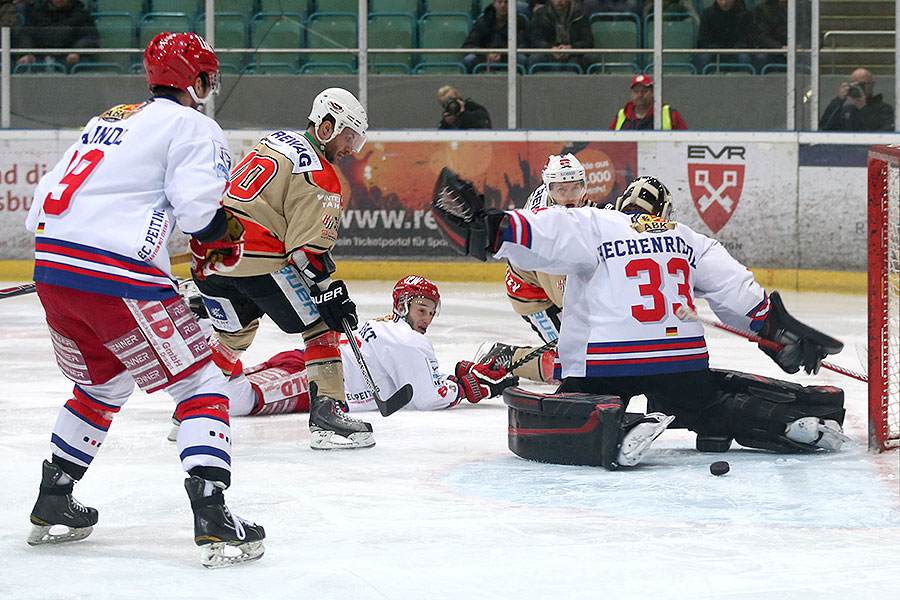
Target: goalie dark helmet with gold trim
point(646, 194)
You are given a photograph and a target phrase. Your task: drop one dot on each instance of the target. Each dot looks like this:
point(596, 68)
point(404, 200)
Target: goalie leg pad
point(566, 429)
point(758, 409)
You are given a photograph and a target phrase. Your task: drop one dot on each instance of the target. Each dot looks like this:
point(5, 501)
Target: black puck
point(720, 467)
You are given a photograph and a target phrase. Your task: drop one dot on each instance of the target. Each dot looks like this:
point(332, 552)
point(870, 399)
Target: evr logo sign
point(716, 187)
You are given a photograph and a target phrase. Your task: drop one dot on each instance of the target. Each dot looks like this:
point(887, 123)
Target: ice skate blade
point(40, 534)
point(331, 440)
point(223, 554)
point(173, 434)
point(629, 457)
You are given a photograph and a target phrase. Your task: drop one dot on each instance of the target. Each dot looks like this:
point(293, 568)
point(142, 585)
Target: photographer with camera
point(459, 113)
point(856, 108)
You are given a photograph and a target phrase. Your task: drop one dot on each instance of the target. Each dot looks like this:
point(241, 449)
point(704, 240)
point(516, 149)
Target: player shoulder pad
point(122, 111)
point(644, 223)
point(296, 148)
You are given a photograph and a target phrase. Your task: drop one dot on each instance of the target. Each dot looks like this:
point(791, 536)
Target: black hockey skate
point(331, 428)
point(56, 506)
point(224, 538)
point(502, 352)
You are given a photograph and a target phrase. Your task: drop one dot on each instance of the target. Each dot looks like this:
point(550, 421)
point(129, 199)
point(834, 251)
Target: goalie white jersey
point(626, 275)
point(396, 355)
point(104, 213)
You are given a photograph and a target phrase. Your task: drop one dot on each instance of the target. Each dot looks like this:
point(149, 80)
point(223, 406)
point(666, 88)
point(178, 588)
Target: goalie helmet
point(647, 194)
point(346, 111)
point(563, 168)
point(414, 286)
point(176, 59)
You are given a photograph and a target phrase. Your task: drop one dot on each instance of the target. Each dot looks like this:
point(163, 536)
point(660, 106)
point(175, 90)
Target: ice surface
point(439, 508)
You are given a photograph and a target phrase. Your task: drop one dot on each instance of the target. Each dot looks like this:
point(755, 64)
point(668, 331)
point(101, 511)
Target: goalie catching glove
point(478, 381)
point(469, 227)
point(803, 346)
point(222, 254)
point(335, 305)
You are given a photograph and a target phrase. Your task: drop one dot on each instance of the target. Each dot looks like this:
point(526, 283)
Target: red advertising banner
point(391, 183)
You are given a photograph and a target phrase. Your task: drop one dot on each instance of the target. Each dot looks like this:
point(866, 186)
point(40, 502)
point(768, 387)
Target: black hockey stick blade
point(398, 400)
point(19, 290)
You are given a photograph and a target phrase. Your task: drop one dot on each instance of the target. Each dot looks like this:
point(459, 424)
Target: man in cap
point(638, 114)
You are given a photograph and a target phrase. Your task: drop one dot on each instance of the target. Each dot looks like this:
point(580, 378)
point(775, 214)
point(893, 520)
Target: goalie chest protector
point(566, 429)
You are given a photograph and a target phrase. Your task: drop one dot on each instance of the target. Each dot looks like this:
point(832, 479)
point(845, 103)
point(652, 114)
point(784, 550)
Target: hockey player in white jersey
point(396, 352)
point(628, 271)
point(102, 217)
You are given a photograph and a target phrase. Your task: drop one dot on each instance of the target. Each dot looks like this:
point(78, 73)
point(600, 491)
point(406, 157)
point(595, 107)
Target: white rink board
point(439, 508)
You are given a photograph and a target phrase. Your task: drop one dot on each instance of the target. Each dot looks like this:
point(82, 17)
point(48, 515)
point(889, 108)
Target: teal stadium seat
point(678, 31)
point(615, 30)
point(277, 30)
point(722, 67)
point(555, 68)
point(135, 8)
point(440, 67)
point(243, 7)
point(391, 30)
point(297, 7)
point(156, 23)
point(40, 68)
point(333, 31)
point(673, 68)
point(230, 33)
point(191, 7)
point(333, 6)
point(117, 30)
point(495, 68)
point(326, 68)
point(460, 6)
point(97, 68)
point(443, 30)
point(394, 6)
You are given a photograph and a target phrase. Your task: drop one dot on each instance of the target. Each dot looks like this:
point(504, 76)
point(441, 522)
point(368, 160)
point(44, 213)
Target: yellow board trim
point(842, 282)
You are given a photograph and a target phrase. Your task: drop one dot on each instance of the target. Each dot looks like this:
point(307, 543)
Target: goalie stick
point(29, 288)
point(683, 313)
point(398, 399)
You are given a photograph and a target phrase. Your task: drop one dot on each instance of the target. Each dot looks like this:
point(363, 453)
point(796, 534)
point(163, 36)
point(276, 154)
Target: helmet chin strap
point(193, 94)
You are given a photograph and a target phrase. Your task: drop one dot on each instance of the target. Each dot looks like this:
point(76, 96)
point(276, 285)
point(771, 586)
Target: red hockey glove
point(478, 381)
point(222, 255)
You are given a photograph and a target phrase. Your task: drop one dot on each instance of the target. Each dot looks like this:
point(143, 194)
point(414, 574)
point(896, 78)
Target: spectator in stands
point(533, 5)
point(770, 31)
point(856, 108)
point(490, 30)
point(673, 8)
point(9, 12)
point(724, 24)
point(57, 24)
point(459, 113)
point(560, 25)
point(638, 114)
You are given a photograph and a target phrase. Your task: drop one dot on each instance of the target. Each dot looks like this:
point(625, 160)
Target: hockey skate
point(173, 433)
point(55, 506)
point(821, 433)
point(331, 428)
point(637, 440)
point(224, 538)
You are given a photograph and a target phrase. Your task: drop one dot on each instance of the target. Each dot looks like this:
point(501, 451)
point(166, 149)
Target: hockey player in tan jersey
point(537, 296)
point(288, 197)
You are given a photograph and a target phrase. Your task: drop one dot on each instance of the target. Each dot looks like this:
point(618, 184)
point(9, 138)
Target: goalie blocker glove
point(218, 248)
point(803, 346)
point(478, 381)
point(469, 228)
point(334, 305)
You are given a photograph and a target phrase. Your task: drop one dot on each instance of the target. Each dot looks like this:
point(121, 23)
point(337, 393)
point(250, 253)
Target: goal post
point(884, 297)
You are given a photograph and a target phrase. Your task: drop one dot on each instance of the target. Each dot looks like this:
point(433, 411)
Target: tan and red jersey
point(533, 291)
point(288, 197)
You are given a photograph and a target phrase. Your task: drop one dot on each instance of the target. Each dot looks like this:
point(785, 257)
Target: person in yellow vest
point(638, 114)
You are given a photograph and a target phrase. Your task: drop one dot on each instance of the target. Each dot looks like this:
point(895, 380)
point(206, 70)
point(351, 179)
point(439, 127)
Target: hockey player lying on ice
point(628, 270)
point(396, 351)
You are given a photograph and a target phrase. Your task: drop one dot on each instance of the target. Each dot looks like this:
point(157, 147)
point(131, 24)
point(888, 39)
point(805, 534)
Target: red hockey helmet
point(414, 286)
point(175, 60)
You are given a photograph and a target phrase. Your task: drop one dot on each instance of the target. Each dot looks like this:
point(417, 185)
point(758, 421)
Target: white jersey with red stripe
point(104, 213)
point(396, 354)
point(626, 275)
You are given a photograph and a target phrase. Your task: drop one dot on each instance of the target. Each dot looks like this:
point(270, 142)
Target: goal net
point(884, 297)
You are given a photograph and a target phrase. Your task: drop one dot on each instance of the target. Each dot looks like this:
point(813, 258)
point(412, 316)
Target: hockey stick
point(536, 352)
point(684, 313)
point(19, 290)
point(29, 288)
point(398, 399)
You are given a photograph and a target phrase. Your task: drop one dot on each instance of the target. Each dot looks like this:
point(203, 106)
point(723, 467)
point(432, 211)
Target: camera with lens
point(453, 106)
point(855, 90)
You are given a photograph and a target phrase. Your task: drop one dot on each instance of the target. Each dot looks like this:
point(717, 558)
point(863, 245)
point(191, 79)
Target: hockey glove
point(219, 256)
point(478, 381)
point(468, 227)
point(803, 346)
point(334, 305)
point(315, 267)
